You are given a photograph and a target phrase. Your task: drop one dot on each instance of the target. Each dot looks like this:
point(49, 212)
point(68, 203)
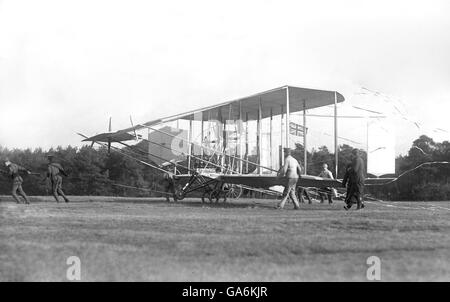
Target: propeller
point(134, 130)
point(111, 137)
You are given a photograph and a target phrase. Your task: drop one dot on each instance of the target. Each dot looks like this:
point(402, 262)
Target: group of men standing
point(53, 176)
point(353, 180)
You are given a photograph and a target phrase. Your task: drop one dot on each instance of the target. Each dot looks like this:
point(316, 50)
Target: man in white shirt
point(291, 171)
point(325, 173)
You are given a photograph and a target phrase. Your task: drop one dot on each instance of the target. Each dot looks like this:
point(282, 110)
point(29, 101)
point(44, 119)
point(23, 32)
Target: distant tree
point(318, 158)
point(429, 182)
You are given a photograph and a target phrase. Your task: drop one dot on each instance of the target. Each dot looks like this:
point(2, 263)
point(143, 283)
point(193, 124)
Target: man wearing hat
point(168, 184)
point(14, 171)
point(291, 171)
point(54, 172)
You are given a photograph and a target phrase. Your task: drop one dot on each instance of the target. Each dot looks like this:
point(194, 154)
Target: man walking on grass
point(359, 178)
point(348, 182)
point(54, 172)
point(14, 172)
point(291, 171)
point(354, 181)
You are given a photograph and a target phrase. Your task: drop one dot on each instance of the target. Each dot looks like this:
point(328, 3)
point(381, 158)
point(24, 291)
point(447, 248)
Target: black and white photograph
point(203, 142)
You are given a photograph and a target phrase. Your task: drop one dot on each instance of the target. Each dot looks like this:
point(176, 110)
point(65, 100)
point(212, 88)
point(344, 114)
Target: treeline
point(91, 172)
point(95, 172)
point(429, 182)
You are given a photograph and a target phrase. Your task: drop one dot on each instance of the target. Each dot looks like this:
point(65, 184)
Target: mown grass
point(151, 240)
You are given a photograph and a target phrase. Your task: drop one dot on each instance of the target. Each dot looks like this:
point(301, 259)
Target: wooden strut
point(241, 124)
point(305, 152)
point(288, 145)
point(336, 146)
point(259, 136)
point(270, 138)
point(280, 151)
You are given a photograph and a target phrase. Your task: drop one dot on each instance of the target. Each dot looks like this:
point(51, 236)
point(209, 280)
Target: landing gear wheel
point(179, 194)
point(234, 192)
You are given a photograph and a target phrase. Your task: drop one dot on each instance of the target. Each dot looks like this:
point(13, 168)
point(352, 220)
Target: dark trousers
point(17, 188)
point(57, 188)
point(325, 192)
point(303, 192)
point(355, 193)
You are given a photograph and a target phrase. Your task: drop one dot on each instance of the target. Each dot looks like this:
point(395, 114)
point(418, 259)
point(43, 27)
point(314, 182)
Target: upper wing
point(271, 102)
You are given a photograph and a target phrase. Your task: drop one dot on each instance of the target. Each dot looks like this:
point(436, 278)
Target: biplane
point(223, 149)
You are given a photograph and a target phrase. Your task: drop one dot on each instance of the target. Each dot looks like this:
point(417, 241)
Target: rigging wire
point(410, 171)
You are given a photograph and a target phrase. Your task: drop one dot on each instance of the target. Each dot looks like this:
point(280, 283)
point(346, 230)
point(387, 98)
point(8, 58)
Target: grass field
point(151, 240)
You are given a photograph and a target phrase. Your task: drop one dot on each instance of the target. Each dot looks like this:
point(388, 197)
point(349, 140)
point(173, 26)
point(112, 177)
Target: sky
point(67, 66)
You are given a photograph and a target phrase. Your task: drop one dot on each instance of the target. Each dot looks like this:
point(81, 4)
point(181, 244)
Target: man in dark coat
point(358, 182)
point(349, 182)
point(54, 172)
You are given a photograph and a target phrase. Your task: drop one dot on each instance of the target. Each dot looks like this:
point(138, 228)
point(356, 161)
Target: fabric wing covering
point(164, 148)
